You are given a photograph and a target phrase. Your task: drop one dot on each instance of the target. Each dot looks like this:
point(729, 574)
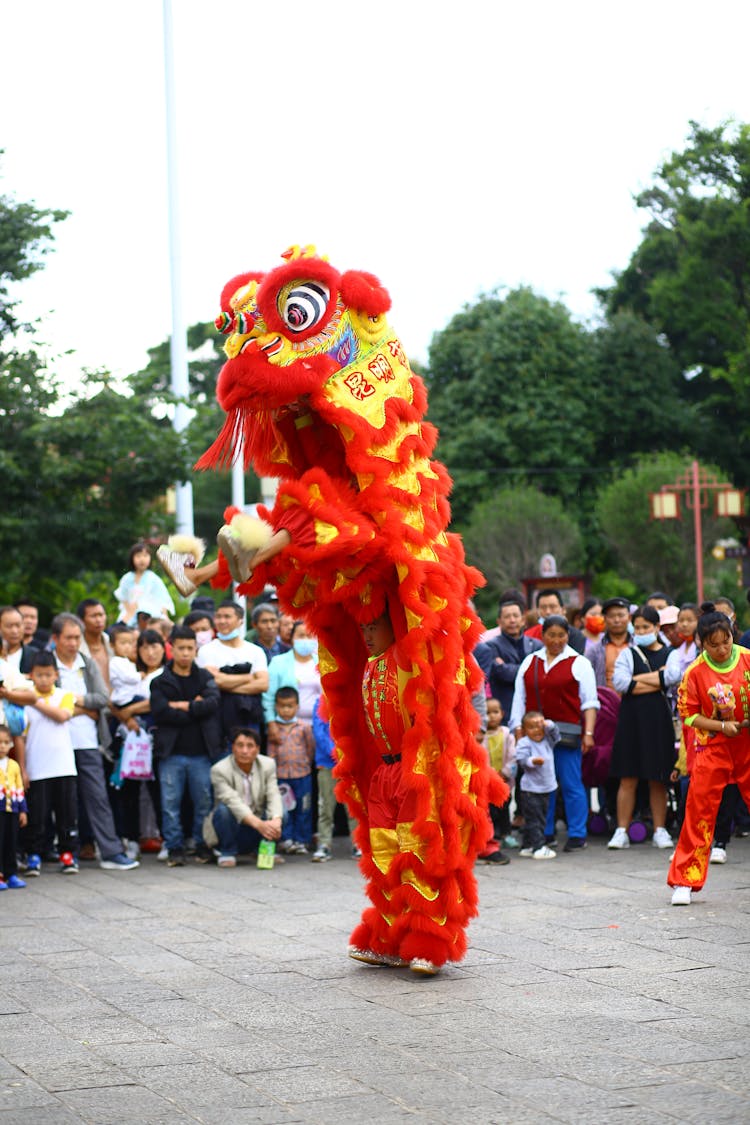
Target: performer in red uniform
point(714, 701)
point(414, 908)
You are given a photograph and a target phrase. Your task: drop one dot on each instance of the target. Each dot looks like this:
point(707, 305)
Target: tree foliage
point(83, 475)
point(509, 531)
point(25, 239)
point(507, 381)
point(634, 402)
point(660, 554)
point(211, 490)
point(690, 279)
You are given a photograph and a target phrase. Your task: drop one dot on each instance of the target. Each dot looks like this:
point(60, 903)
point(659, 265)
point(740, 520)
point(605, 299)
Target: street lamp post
point(696, 483)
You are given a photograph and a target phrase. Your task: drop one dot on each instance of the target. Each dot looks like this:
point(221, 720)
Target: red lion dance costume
point(319, 390)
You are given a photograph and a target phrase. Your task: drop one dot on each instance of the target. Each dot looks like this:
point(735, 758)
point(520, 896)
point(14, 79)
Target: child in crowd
point(501, 747)
point(140, 590)
point(124, 677)
point(325, 760)
point(535, 752)
point(130, 703)
point(12, 813)
point(294, 754)
point(51, 767)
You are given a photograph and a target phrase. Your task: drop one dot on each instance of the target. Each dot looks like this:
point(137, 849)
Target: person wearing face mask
point(593, 623)
point(297, 668)
point(644, 740)
point(239, 668)
point(202, 624)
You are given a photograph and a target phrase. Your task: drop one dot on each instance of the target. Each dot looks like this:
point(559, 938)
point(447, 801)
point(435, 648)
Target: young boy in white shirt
point(51, 767)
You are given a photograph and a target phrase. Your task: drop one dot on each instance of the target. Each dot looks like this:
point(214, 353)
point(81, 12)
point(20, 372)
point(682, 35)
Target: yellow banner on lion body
point(365, 386)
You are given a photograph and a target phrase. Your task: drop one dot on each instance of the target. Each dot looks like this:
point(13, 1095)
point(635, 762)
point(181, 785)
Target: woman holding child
point(560, 684)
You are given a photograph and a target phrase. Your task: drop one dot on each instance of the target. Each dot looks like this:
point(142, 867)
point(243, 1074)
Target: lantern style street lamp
point(696, 483)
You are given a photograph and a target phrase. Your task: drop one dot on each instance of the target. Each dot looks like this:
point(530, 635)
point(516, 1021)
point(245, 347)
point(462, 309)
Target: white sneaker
point(681, 896)
point(544, 853)
point(163, 854)
point(718, 855)
point(132, 849)
point(321, 854)
point(526, 853)
point(662, 839)
point(620, 839)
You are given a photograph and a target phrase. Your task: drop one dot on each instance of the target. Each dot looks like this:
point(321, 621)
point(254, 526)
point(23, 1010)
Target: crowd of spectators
point(200, 741)
point(192, 741)
point(600, 731)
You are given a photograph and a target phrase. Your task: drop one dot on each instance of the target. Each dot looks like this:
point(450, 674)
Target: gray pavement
point(207, 995)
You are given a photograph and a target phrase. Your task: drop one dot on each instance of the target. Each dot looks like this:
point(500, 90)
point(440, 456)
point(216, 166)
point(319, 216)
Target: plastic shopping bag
point(137, 755)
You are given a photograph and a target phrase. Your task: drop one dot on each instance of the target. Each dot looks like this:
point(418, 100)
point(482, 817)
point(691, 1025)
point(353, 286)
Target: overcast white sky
point(447, 147)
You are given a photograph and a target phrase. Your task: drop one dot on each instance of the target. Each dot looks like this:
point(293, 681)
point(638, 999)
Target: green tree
point(25, 238)
point(507, 534)
point(27, 393)
point(106, 466)
point(79, 483)
point(508, 381)
point(635, 403)
point(212, 490)
point(690, 279)
point(660, 554)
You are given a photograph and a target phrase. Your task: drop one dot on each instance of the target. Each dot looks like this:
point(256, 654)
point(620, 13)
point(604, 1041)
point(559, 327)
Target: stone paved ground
point(200, 995)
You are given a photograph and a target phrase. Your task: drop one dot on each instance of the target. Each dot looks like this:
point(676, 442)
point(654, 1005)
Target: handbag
point(570, 733)
point(136, 762)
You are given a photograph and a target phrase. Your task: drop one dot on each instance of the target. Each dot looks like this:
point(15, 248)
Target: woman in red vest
point(713, 700)
point(561, 684)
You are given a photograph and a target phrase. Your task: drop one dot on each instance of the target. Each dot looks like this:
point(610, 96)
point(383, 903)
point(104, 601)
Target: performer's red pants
point(722, 761)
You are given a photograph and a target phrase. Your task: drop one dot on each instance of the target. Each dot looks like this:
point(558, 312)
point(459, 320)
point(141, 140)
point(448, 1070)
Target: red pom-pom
point(364, 292)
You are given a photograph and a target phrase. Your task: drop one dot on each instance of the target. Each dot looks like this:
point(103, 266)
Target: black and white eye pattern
point(305, 305)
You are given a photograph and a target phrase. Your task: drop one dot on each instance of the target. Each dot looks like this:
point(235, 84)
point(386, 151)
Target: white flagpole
point(178, 347)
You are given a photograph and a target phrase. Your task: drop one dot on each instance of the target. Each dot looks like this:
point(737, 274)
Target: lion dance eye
point(305, 305)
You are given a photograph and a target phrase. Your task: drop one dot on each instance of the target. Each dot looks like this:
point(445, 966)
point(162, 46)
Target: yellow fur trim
point(250, 533)
point(187, 545)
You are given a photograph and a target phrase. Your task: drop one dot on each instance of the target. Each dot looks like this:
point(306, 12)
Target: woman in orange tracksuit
point(713, 700)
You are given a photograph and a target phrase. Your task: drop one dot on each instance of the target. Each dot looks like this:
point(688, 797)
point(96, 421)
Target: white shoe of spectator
point(132, 849)
point(681, 896)
point(620, 839)
point(526, 853)
point(163, 854)
point(718, 855)
point(286, 846)
point(227, 861)
point(662, 839)
point(544, 853)
point(321, 854)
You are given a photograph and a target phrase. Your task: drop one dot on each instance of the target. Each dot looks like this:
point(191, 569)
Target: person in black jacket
point(501, 658)
point(187, 739)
